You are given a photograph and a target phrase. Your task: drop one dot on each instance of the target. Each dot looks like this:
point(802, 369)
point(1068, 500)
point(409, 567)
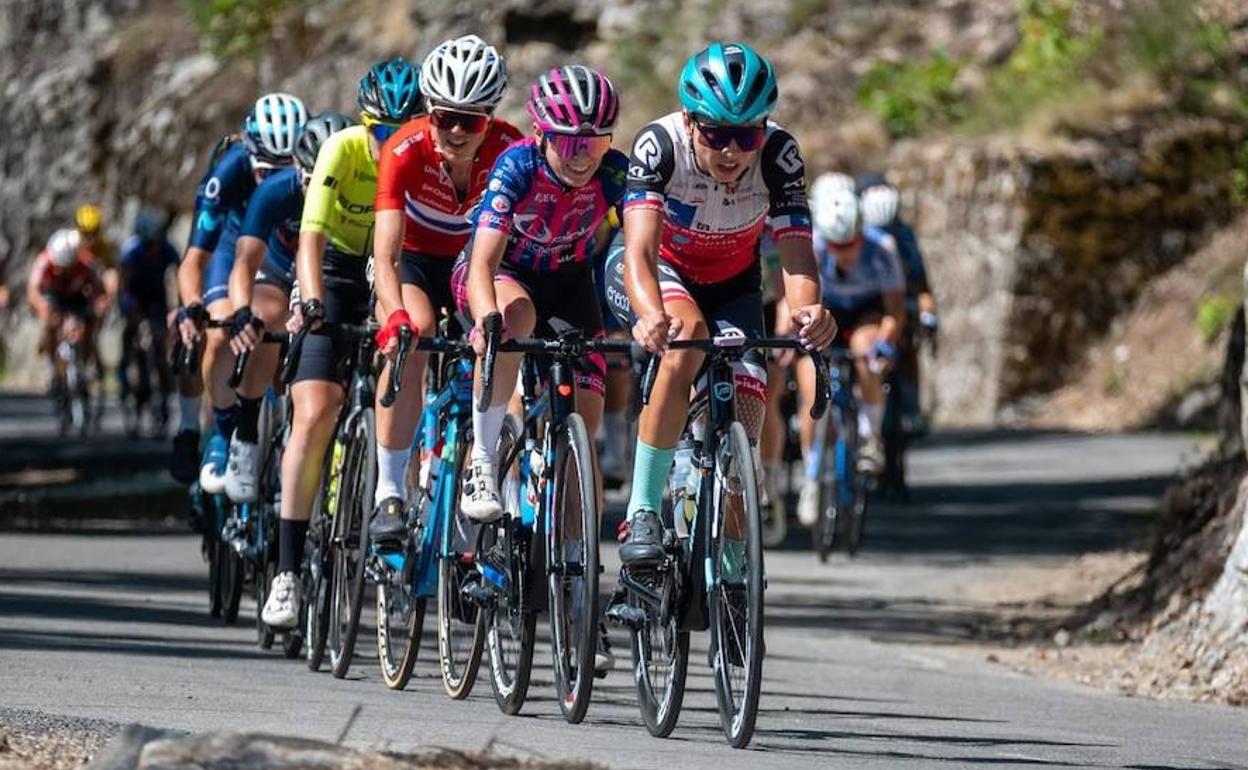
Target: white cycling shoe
point(479, 498)
point(808, 503)
point(281, 610)
point(240, 471)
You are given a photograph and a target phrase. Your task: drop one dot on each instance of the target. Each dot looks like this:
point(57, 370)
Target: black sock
point(248, 420)
point(225, 420)
point(290, 537)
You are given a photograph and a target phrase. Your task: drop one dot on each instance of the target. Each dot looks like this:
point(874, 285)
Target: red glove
point(396, 321)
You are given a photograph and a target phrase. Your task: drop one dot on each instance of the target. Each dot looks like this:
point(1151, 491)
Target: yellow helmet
point(88, 218)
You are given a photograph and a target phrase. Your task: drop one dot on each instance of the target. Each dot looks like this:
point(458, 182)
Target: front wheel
point(573, 573)
point(736, 591)
point(356, 481)
point(660, 663)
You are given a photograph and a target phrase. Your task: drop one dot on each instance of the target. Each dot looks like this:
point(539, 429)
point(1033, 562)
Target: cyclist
point(146, 258)
point(702, 185)
point(67, 295)
point(260, 287)
point(879, 201)
point(268, 137)
point(864, 286)
point(614, 438)
point(431, 174)
point(529, 257)
point(89, 222)
point(331, 264)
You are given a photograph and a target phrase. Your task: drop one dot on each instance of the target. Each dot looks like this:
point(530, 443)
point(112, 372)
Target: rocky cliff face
point(1033, 250)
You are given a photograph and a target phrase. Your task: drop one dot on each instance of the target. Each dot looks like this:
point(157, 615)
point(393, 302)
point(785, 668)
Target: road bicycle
point(548, 533)
point(711, 575)
point(843, 491)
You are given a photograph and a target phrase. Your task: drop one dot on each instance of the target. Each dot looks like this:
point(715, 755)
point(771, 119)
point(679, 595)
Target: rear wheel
point(660, 664)
point(736, 594)
point(400, 625)
point(510, 625)
point(461, 623)
point(317, 584)
point(573, 582)
point(355, 485)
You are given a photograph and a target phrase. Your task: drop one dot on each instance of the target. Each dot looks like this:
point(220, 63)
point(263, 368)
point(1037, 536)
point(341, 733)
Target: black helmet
point(318, 128)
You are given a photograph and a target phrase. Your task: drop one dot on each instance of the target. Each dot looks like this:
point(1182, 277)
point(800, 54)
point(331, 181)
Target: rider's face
point(458, 134)
point(725, 163)
point(575, 159)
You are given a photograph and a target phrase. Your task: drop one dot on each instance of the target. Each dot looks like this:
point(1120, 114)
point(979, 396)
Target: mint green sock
point(650, 469)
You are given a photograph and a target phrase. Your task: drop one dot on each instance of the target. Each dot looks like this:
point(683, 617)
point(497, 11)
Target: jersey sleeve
point(264, 209)
point(219, 190)
point(784, 174)
point(397, 155)
point(614, 177)
point(509, 183)
point(130, 252)
point(650, 167)
point(318, 202)
point(892, 276)
point(911, 258)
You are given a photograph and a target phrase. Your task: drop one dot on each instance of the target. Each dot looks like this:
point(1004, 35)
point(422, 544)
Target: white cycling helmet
point(879, 205)
point(63, 247)
point(273, 127)
point(464, 72)
point(834, 207)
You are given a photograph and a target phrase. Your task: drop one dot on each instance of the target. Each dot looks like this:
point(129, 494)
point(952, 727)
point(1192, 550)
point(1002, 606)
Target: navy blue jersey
point(145, 263)
point(273, 214)
point(876, 272)
point(911, 257)
point(222, 196)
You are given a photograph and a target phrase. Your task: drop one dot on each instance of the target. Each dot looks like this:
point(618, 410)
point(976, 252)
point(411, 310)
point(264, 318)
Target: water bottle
point(679, 484)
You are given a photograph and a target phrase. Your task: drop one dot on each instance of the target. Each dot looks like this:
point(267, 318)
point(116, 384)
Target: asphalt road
point(863, 667)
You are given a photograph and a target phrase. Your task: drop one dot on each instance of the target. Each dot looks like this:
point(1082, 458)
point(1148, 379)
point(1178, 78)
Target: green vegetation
point(912, 96)
point(802, 12)
point(234, 28)
point(1214, 313)
point(1056, 62)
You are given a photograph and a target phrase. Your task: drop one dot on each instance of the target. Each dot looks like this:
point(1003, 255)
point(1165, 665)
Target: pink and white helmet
point(574, 100)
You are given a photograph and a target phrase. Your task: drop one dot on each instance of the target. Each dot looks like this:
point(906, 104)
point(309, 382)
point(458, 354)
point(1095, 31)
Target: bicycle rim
point(660, 664)
point(736, 601)
point(823, 534)
point(400, 626)
point(461, 623)
point(510, 627)
point(318, 581)
point(357, 481)
point(573, 585)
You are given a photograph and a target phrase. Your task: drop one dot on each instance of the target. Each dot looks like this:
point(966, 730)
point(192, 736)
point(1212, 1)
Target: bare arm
point(191, 275)
point(248, 256)
point(308, 265)
point(643, 227)
point(487, 252)
point(894, 320)
point(387, 245)
point(803, 294)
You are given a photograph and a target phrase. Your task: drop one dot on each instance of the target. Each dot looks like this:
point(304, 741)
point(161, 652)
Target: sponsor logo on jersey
point(532, 227)
point(495, 185)
point(789, 160)
point(647, 152)
point(330, 181)
point(500, 204)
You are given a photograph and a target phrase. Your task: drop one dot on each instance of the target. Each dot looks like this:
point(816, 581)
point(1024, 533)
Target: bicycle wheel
point(356, 484)
point(573, 579)
point(510, 625)
point(400, 624)
point(736, 594)
point(264, 578)
point(461, 624)
point(660, 663)
point(232, 581)
point(318, 581)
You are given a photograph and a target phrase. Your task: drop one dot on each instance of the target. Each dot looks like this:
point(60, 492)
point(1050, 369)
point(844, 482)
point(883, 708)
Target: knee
point(519, 318)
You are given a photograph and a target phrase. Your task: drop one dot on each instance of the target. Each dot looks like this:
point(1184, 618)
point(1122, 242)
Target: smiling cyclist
point(703, 184)
point(431, 174)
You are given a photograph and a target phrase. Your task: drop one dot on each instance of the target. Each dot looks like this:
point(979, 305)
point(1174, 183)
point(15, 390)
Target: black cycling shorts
point(326, 358)
point(430, 274)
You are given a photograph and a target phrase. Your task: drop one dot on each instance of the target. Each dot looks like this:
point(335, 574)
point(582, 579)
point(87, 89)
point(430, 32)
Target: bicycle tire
point(359, 471)
point(660, 706)
point(318, 582)
point(232, 581)
point(458, 618)
point(823, 533)
point(265, 635)
point(737, 601)
point(398, 638)
point(855, 518)
point(573, 638)
point(508, 622)
point(215, 575)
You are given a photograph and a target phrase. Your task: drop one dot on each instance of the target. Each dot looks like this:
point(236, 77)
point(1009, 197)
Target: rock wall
point(1034, 252)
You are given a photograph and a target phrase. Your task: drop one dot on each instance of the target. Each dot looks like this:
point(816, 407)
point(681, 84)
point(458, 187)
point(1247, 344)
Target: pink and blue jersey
point(549, 224)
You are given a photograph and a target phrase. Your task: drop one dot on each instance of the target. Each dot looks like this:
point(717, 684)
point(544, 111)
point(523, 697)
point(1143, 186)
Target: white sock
point(874, 414)
point(391, 472)
point(189, 407)
point(485, 429)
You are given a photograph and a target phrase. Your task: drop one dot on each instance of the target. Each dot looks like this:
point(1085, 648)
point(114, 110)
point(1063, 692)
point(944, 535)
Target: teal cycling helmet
point(728, 83)
point(390, 91)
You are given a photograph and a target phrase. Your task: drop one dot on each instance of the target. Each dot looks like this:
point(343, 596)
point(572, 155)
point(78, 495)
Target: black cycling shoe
point(644, 545)
point(184, 463)
point(388, 526)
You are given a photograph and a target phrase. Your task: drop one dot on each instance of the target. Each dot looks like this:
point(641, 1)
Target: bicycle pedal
point(627, 615)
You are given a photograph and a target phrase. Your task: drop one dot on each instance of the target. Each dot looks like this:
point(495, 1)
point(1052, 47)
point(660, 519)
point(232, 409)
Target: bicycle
point(73, 389)
point(142, 357)
point(438, 557)
point(208, 513)
point(251, 529)
point(704, 582)
point(843, 491)
point(337, 548)
point(548, 474)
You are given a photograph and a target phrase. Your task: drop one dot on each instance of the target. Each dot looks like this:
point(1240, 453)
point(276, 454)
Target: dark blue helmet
point(149, 225)
point(390, 91)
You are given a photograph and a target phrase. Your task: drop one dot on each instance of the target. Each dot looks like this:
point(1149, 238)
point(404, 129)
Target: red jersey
point(79, 281)
point(412, 178)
